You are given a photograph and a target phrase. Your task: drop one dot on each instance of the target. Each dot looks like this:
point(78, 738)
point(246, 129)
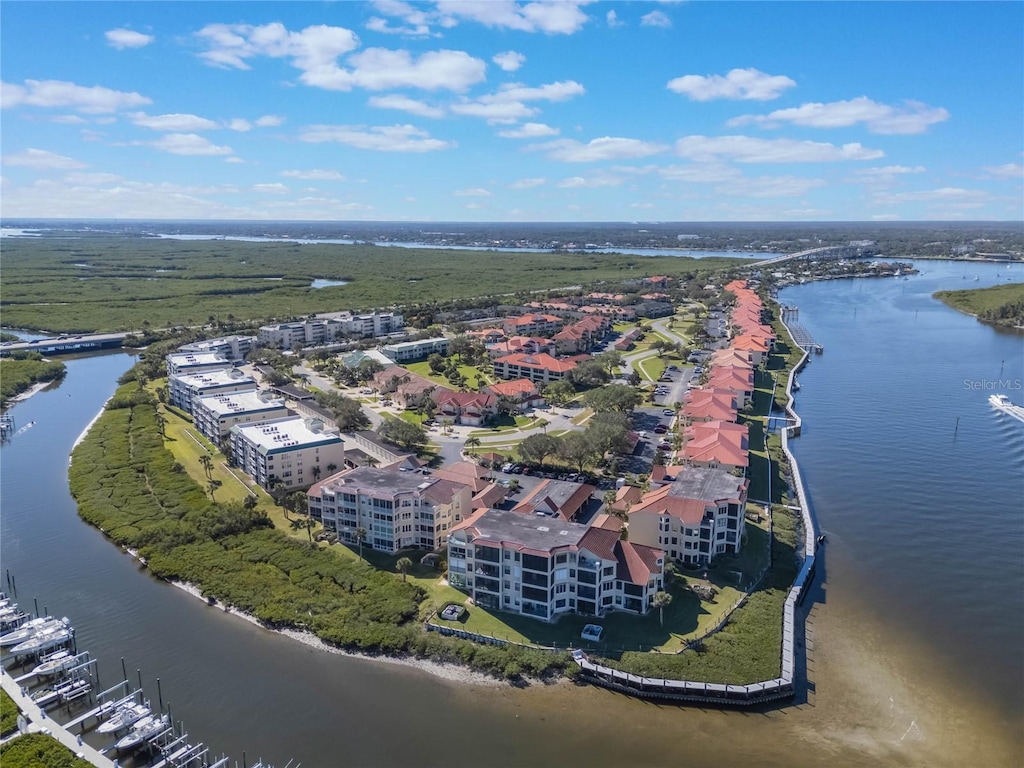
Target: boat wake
point(1004, 404)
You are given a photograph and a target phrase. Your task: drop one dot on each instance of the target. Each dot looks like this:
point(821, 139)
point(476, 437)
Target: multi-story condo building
point(186, 388)
point(293, 451)
point(397, 509)
point(324, 330)
point(540, 369)
point(232, 348)
point(215, 415)
point(195, 362)
point(416, 350)
point(532, 324)
point(696, 515)
point(545, 567)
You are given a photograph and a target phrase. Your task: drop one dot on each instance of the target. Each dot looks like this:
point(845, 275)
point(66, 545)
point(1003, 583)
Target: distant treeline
point(18, 375)
point(999, 305)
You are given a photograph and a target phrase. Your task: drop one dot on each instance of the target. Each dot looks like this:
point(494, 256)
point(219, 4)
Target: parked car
point(661, 429)
point(669, 412)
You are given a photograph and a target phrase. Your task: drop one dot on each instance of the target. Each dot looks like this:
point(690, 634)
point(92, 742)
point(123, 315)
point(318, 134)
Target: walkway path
point(39, 722)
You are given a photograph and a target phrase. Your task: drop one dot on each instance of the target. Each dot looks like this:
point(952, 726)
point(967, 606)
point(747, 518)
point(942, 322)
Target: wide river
point(915, 632)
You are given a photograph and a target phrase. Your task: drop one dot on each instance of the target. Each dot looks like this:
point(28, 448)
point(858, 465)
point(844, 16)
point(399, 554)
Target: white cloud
point(655, 19)
point(378, 69)
point(1007, 171)
point(527, 183)
point(41, 159)
point(273, 189)
point(377, 24)
point(269, 121)
point(769, 186)
point(234, 160)
point(472, 192)
point(406, 104)
point(507, 104)
point(579, 182)
point(178, 123)
point(240, 125)
point(127, 38)
point(529, 131)
point(384, 138)
point(910, 118)
point(604, 148)
point(59, 93)
point(700, 173)
point(885, 175)
point(744, 149)
point(315, 174)
point(187, 144)
point(509, 61)
point(416, 21)
point(69, 119)
point(550, 16)
point(941, 194)
point(613, 20)
point(738, 84)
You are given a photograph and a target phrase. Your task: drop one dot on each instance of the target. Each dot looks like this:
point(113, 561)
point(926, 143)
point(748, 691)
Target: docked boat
point(125, 717)
point(54, 663)
point(47, 697)
point(27, 630)
point(44, 641)
point(144, 730)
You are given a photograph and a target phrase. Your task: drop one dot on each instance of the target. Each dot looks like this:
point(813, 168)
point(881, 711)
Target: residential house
point(545, 568)
point(522, 392)
point(293, 451)
point(715, 444)
point(756, 346)
point(708, 405)
point(737, 381)
point(695, 515)
point(469, 408)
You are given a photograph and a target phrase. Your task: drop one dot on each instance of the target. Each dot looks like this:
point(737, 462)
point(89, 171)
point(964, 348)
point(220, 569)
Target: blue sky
point(506, 110)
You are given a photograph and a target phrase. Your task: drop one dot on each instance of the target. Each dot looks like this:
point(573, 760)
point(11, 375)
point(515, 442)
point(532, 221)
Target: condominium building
point(293, 451)
point(396, 509)
point(696, 515)
point(195, 362)
point(416, 350)
point(540, 369)
point(546, 567)
point(324, 330)
point(232, 348)
point(215, 415)
point(186, 388)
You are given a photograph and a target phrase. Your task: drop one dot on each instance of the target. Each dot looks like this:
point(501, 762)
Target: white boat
point(13, 621)
point(1000, 401)
point(125, 717)
point(1007, 406)
point(43, 641)
point(27, 630)
point(65, 692)
point(54, 663)
point(143, 730)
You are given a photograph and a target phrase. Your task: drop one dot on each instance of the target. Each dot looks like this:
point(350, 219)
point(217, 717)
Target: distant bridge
point(823, 253)
point(65, 344)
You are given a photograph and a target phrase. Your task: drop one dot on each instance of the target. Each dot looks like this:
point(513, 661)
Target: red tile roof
point(542, 361)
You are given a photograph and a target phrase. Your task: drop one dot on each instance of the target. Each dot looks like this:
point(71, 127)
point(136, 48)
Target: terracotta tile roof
point(716, 441)
point(474, 400)
point(542, 361)
point(751, 343)
point(442, 491)
point(467, 473)
point(710, 405)
point(556, 497)
point(732, 378)
point(607, 522)
point(491, 496)
point(513, 388)
point(636, 562)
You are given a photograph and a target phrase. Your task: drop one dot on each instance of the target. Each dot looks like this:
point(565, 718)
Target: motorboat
point(1000, 401)
point(125, 717)
point(143, 730)
point(65, 692)
point(29, 629)
point(44, 641)
point(54, 663)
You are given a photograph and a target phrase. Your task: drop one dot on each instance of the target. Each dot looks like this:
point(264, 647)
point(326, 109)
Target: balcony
point(483, 569)
point(488, 585)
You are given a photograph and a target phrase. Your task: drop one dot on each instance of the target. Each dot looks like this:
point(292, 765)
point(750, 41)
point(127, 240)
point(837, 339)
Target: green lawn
point(471, 372)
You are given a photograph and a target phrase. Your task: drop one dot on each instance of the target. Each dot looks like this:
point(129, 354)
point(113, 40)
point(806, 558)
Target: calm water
point(914, 636)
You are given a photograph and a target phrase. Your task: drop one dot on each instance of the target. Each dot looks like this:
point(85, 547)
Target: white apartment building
point(398, 509)
point(215, 415)
point(416, 350)
point(294, 451)
point(324, 330)
point(544, 567)
point(186, 388)
point(233, 348)
point(195, 362)
point(697, 514)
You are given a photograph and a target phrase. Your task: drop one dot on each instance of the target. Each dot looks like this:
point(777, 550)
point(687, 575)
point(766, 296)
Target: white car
point(592, 632)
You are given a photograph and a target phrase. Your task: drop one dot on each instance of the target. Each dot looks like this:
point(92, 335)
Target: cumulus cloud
point(1007, 171)
point(509, 61)
point(127, 38)
point(655, 19)
point(59, 93)
point(604, 148)
point(745, 149)
point(41, 159)
point(378, 69)
point(769, 186)
point(527, 183)
point(416, 22)
point(472, 192)
point(275, 188)
point(313, 49)
point(529, 131)
point(738, 84)
point(508, 103)
point(580, 182)
point(613, 20)
point(406, 104)
point(176, 122)
point(315, 174)
point(885, 175)
point(384, 138)
point(909, 118)
point(188, 144)
point(269, 121)
point(941, 194)
point(551, 16)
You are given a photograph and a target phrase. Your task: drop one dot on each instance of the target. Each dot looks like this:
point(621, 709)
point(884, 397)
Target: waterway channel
point(915, 632)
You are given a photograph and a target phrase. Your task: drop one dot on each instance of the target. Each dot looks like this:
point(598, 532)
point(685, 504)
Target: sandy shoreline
point(39, 386)
point(88, 426)
point(450, 672)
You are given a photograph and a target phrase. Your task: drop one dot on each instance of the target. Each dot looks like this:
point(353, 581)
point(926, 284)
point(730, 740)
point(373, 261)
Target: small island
point(1001, 305)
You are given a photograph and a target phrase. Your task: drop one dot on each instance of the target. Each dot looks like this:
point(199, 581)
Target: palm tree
point(207, 463)
point(360, 538)
point(316, 472)
point(212, 486)
point(404, 564)
point(161, 423)
point(661, 599)
point(250, 502)
point(331, 468)
point(472, 442)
